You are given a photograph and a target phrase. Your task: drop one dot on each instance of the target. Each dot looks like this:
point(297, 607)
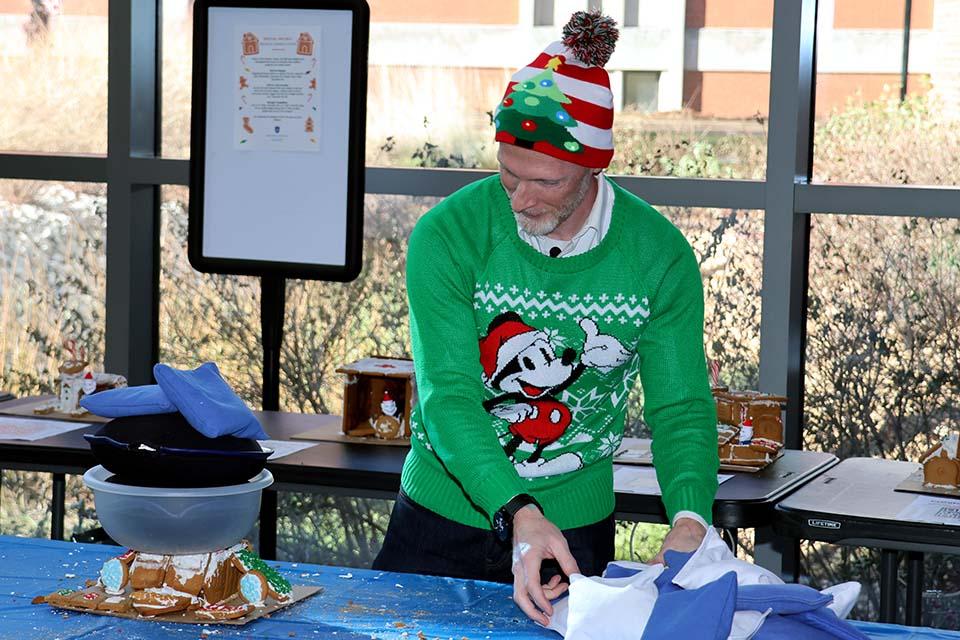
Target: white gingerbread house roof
point(949, 444)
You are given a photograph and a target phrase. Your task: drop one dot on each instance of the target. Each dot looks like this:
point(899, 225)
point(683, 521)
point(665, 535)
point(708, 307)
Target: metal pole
point(132, 291)
point(914, 588)
point(57, 506)
point(272, 302)
point(786, 236)
point(268, 525)
point(905, 59)
point(888, 585)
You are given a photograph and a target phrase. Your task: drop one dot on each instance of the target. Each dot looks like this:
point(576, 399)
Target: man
point(536, 298)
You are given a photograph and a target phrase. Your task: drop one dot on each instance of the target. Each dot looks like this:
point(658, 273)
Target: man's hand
point(686, 535)
point(535, 539)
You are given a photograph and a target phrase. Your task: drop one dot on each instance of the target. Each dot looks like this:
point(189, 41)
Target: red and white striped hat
point(561, 104)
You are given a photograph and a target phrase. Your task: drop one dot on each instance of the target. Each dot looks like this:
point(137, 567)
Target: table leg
point(57, 506)
point(914, 588)
point(888, 585)
point(268, 525)
point(779, 554)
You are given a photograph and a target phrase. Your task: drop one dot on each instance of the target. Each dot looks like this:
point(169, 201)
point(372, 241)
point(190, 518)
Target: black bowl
point(163, 450)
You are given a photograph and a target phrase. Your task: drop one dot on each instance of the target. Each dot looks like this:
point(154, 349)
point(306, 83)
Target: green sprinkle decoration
point(253, 562)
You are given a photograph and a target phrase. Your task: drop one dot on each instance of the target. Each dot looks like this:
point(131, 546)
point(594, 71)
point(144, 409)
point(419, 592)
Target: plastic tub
point(175, 520)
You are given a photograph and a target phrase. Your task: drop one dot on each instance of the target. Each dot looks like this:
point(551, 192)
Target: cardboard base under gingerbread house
point(300, 592)
point(29, 409)
point(637, 451)
point(332, 433)
point(914, 484)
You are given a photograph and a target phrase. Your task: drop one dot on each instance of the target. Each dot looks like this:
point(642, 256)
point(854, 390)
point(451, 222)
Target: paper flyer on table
point(31, 429)
point(932, 509)
point(283, 448)
point(277, 95)
point(643, 480)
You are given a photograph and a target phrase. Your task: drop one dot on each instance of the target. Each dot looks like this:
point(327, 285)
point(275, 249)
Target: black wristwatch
point(503, 518)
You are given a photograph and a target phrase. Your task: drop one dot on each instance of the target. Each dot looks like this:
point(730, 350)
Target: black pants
point(421, 541)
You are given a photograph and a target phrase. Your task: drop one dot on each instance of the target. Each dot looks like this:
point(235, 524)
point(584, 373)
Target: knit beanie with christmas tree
point(560, 104)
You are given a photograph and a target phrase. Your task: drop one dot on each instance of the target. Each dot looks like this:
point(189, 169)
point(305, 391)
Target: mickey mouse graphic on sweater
point(527, 373)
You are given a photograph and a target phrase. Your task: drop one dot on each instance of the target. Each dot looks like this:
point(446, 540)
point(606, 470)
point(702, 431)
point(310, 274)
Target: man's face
point(544, 191)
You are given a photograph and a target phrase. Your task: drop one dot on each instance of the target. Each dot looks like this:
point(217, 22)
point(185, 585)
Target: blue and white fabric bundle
point(705, 595)
point(202, 395)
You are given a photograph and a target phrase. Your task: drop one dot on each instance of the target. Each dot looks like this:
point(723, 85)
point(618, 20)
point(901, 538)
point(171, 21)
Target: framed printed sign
point(277, 139)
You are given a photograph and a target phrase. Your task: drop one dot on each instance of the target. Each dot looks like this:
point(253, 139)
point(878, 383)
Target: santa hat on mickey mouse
point(503, 342)
point(561, 104)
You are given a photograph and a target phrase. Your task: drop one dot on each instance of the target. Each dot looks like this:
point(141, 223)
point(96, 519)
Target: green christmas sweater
point(524, 362)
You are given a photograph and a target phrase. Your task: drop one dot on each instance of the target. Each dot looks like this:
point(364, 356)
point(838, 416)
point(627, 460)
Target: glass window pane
point(177, 47)
point(52, 288)
point(883, 330)
point(53, 69)
point(867, 130)
point(331, 324)
point(203, 316)
point(728, 244)
point(52, 279)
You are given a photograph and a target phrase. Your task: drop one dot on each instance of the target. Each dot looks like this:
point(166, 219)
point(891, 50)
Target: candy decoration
point(529, 125)
point(571, 146)
point(253, 587)
point(113, 576)
point(507, 102)
point(252, 562)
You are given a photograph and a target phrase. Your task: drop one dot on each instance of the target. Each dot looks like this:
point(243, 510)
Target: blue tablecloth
point(355, 603)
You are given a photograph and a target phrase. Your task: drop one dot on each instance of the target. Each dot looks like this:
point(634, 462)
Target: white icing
point(113, 600)
point(167, 591)
point(188, 567)
point(218, 557)
point(148, 561)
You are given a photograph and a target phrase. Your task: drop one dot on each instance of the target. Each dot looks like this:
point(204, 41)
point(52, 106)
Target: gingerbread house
point(251, 44)
point(378, 397)
point(940, 465)
point(749, 426)
point(305, 44)
point(221, 585)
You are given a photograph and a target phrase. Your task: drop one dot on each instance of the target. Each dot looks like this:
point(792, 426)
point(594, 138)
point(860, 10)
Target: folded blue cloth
point(695, 614)
point(207, 402)
point(128, 401)
point(797, 611)
point(781, 598)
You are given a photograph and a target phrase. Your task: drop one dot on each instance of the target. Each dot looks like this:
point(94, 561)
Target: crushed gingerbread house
point(749, 426)
point(940, 465)
point(217, 586)
point(378, 396)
